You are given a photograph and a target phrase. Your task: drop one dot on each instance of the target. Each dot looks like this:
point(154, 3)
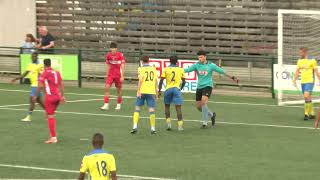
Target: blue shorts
point(172, 95)
point(149, 98)
point(307, 87)
point(33, 92)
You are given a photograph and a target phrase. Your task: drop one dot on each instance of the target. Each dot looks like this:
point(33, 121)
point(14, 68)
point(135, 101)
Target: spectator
point(46, 40)
point(29, 44)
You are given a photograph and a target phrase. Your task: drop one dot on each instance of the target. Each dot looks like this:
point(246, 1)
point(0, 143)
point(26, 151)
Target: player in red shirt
point(114, 73)
point(51, 81)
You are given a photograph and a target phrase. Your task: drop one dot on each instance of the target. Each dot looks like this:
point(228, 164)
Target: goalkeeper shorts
point(206, 91)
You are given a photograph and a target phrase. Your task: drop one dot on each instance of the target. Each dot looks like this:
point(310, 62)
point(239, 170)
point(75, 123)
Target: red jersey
point(115, 61)
point(51, 80)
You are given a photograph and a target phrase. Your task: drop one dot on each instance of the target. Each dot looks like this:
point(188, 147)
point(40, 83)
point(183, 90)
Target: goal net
point(296, 29)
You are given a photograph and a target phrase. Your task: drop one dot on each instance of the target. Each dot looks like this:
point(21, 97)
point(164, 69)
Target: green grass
point(227, 152)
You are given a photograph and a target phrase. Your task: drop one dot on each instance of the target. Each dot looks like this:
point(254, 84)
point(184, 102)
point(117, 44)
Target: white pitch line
point(188, 100)
point(35, 179)
point(84, 100)
point(248, 104)
point(73, 171)
point(267, 125)
point(73, 101)
point(78, 94)
point(13, 105)
point(186, 120)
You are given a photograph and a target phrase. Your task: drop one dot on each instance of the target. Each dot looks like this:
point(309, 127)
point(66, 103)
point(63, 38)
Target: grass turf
point(227, 152)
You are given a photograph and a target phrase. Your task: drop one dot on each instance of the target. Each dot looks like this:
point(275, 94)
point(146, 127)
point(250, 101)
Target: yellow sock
point(306, 108)
point(180, 123)
point(311, 112)
point(135, 120)
point(153, 121)
point(168, 120)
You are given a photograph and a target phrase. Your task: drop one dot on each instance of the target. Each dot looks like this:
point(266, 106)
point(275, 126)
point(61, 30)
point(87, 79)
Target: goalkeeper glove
point(235, 79)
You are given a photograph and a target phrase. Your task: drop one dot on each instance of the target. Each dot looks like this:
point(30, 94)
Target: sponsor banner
point(67, 65)
point(191, 78)
point(283, 76)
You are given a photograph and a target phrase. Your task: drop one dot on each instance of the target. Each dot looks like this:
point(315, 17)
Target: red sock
point(106, 99)
point(119, 100)
point(52, 126)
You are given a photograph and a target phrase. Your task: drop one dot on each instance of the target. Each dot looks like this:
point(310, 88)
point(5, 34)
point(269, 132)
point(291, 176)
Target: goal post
point(296, 29)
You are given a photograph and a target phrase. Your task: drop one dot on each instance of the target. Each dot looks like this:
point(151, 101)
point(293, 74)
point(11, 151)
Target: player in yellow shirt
point(147, 91)
point(99, 163)
point(175, 81)
point(33, 71)
point(307, 68)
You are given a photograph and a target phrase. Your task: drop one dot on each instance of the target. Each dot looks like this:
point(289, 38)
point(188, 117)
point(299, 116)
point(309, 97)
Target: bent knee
point(307, 95)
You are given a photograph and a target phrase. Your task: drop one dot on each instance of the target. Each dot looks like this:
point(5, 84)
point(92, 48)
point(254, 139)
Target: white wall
point(17, 18)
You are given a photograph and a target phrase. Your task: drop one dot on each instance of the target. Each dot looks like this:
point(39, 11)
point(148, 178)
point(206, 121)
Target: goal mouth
point(296, 29)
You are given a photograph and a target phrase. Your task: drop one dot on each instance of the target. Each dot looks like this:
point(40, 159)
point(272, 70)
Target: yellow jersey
point(306, 67)
point(173, 75)
point(34, 72)
point(149, 79)
point(98, 163)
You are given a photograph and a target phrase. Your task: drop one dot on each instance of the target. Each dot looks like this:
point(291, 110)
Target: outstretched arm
point(221, 71)
point(190, 68)
point(21, 76)
point(233, 78)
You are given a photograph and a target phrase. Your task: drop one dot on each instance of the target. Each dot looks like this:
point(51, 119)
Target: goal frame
point(280, 48)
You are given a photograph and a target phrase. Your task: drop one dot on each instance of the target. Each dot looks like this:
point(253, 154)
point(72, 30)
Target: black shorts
point(206, 91)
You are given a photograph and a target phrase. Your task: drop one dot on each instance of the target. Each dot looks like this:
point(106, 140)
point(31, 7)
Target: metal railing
point(254, 71)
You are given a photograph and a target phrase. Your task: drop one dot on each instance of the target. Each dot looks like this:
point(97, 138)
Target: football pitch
point(253, 139)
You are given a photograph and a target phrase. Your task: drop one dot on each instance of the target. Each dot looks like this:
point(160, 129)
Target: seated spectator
point(29, 44)
point(46, 41)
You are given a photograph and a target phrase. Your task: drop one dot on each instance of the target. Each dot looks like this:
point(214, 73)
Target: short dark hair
point(47, 62)
point(97, 139)
point(113, 45)
point(173, 59)
point(145, 59)
point(97, 136)
point(201, 52)
point(35, 53)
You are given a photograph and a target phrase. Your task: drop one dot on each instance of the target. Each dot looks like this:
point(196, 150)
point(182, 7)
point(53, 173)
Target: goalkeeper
point(204, 70)
point(307, 67)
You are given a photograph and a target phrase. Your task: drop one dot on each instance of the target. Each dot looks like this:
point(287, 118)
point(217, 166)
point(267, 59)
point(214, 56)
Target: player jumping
point(307, 67)
point(100, 164)
point(114, 73)
point(33, 70)
point(50, 80)
point(204, 70)
point(147, 91)
point(173, 75)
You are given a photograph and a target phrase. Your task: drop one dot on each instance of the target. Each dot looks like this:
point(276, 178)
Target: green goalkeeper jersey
point(204, 73)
